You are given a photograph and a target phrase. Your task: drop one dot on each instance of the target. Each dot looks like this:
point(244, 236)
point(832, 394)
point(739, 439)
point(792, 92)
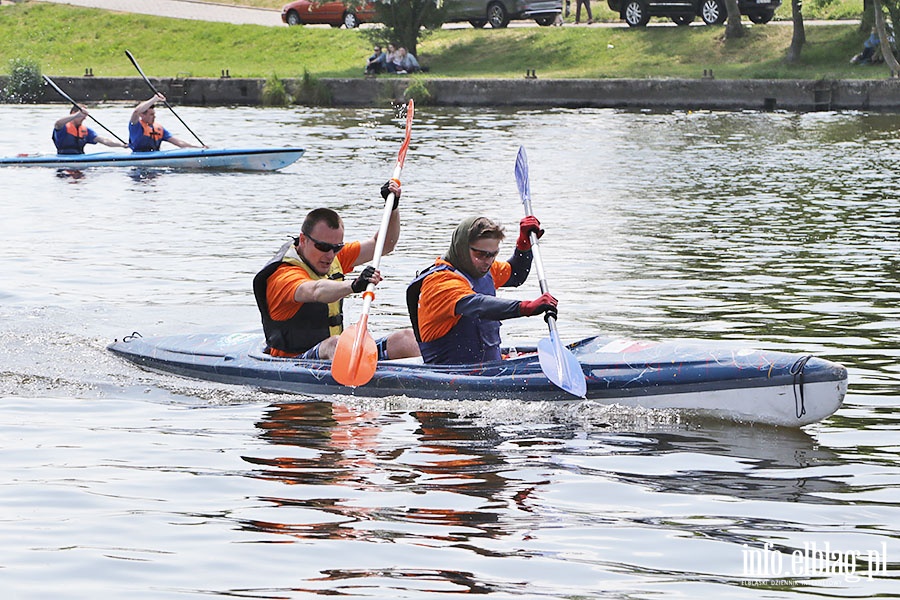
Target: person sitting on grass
point(869, 47)
point(377, 62)
point(404, 62)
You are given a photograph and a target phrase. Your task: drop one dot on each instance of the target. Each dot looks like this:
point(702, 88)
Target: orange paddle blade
point(355, 357)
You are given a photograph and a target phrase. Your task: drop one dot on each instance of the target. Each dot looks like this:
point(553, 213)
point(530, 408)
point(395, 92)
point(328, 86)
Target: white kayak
point(719, 380)
point(238, 159)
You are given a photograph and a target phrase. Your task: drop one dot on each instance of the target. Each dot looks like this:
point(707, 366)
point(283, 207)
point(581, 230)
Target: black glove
point(362, 282)
point(385, 192)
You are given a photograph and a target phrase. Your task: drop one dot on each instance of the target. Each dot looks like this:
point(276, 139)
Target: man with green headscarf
point(453, 304)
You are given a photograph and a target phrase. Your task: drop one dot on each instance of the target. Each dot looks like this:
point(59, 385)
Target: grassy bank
point(66, 40)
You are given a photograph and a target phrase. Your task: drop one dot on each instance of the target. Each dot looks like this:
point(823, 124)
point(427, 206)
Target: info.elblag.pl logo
point(814, 560)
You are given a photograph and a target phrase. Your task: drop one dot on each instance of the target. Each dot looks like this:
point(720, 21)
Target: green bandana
point(459, 255)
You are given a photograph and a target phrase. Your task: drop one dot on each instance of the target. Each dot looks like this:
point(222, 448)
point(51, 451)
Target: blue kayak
point(710, 379)
point(239, 159)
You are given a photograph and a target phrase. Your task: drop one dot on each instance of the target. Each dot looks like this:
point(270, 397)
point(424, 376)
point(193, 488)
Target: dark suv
point(638, 12)
point(499, 12)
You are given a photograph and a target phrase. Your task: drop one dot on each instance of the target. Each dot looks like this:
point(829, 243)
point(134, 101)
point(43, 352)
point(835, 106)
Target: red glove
point(526, 226)
point(546, 303)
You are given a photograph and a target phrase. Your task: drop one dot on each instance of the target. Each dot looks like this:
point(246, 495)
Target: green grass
point(66, 40)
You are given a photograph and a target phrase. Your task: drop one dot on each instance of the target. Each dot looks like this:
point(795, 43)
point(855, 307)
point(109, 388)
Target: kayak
point(245, 159)
point(709, 379)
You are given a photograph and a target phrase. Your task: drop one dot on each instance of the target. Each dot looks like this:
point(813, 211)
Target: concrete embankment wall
point(688, 94)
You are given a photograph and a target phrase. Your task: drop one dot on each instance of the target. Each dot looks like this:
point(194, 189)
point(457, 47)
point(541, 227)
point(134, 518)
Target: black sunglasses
point(324, 246)
point(484, 254)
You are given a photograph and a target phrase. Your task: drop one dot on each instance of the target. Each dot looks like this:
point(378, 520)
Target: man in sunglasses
point(453, 306)
point(145, 134)
point(300, 292)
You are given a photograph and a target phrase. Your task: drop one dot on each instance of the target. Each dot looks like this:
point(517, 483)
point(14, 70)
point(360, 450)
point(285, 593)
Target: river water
point(781, 229)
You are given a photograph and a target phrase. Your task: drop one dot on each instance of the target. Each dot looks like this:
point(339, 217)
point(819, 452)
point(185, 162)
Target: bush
point(25, 84)
point(418, 91)
point(312, 92)
point(274, 93)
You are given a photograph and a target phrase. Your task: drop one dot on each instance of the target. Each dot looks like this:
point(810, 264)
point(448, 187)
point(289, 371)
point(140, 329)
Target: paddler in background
point(70, 134)
point(144, 134)
point(453, 305)
point(300, 292)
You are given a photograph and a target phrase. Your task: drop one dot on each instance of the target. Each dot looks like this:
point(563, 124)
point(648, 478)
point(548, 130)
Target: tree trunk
point(799, 37)
point(886, 50)
point(733, 27)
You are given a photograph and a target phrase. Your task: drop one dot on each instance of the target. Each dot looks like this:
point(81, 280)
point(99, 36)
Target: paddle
point(66, 96)
point(557, 362)
point(156, 91)
point(356, 356)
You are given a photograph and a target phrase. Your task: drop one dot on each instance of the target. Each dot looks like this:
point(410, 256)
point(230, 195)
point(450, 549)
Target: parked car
point(638, 12)
point(499, 13)
point(304, 12)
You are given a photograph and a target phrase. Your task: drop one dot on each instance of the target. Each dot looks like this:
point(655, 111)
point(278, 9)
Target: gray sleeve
point(487, 307)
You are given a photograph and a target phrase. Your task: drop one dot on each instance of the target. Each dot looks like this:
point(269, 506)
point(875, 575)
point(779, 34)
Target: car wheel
point(293, 18)
point(545, 21)
point(636, 14)
point(713, 12)
point(761, 18)
point(478, 23)
point(682, 20)
point(497, 16)
point(351, 21)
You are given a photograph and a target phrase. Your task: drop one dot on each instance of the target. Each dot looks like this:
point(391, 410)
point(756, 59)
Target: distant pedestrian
point(587, 8)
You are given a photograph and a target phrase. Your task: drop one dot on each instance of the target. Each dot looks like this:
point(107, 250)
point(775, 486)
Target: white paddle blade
point(522, 179)
point(561, 367)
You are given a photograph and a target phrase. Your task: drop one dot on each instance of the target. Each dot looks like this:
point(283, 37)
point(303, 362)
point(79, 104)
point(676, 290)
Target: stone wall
point(687, 94)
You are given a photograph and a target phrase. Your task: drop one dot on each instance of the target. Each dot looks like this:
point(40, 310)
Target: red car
point(304, 12)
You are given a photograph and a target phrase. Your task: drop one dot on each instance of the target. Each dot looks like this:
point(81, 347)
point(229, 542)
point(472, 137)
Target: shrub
point(312, 92)
point(274, 93)
point(25, 84)
point(418, 91)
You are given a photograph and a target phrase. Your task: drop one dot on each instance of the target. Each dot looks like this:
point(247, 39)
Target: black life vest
point(313, 321)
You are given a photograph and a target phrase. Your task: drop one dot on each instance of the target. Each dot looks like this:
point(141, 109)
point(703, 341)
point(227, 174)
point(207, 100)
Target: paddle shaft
point(75, 104)
point(369, 294)
point(557, 362)
point(539, 265)
point(156, 91)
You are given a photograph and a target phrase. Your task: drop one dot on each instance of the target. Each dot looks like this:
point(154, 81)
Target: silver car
point(500, 12)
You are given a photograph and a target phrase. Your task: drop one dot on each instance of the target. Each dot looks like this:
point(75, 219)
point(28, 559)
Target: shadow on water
point(763, 460)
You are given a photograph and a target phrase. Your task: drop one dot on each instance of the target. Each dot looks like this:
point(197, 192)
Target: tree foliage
point(406, 21)
point(25, 84)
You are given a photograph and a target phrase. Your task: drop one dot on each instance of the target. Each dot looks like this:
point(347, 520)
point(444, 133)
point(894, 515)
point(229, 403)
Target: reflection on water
point(778, 228)
point(349, 448)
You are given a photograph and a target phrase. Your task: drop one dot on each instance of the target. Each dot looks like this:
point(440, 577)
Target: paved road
point(199, 10)
point(186, 9)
